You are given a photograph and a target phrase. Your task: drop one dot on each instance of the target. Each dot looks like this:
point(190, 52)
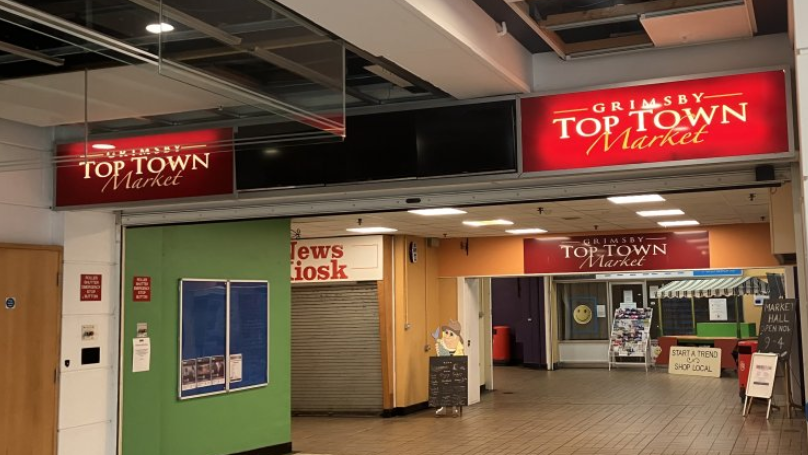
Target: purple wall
point(519, 304)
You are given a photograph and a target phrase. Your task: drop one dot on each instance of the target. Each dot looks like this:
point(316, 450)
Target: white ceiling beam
point(452, 44)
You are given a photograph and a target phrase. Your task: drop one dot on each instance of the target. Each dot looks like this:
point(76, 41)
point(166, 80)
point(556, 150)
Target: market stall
point(706, 312)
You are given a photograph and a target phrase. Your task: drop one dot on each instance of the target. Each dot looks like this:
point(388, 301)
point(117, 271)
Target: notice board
point(249, 341)
point(224, 333)
point(777, 325)
point(448, 381)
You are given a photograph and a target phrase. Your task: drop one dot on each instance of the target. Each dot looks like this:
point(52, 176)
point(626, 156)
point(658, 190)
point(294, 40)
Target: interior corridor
point(573, 411)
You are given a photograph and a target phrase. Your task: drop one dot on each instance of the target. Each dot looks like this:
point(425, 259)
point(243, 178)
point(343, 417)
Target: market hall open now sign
point(165, 166)
point(615, 253)
point(712, 118)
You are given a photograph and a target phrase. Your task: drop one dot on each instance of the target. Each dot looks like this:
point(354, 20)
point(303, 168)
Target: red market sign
point(713, 118)
point(141, 289)
point(90, 288)
point(620, 252)
point(165, 166)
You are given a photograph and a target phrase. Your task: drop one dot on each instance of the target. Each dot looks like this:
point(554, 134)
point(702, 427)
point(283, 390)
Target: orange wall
point(419, 310)
point(741, 246)
point(487, 256)
point(731, 246)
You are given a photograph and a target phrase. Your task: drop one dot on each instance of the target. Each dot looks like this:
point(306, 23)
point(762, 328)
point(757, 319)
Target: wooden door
point(29, 348)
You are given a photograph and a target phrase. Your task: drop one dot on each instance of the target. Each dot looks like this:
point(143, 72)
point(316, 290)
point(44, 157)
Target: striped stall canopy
point(717, 287)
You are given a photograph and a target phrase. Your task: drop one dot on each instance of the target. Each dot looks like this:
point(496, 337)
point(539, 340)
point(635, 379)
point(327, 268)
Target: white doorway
point(469, 312)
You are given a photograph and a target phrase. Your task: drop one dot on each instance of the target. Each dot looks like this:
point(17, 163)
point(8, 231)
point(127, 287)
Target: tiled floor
point(573, 411)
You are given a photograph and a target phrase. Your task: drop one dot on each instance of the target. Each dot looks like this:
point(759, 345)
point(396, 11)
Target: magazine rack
point(630, 337)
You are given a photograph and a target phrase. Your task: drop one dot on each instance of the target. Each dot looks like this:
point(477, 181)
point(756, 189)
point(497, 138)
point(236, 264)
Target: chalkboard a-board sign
point(777, 326)
point(448, 381)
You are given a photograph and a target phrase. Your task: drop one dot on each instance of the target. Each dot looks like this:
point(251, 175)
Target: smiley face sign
point(582, 314)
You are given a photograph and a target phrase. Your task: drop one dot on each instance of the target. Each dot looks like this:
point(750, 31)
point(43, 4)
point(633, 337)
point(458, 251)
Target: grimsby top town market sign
point(712, 118)
point(166, 166)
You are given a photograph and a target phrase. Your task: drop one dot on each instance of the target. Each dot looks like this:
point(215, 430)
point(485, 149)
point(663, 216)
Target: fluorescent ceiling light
point(435, 212)
point(526, 231)
point(636, 199)
point(552, 239)
point(371, 230)
point(689, 232)
point(103, 146)
point(159, 28)
point(488, 223)
point(678, 223)
point(651, 213)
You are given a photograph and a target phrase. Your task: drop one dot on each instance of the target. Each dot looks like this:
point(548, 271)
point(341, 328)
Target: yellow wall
point(448, 299)
point(385, 292)
point(731, 246)
point(752, 313)
point(423, 304)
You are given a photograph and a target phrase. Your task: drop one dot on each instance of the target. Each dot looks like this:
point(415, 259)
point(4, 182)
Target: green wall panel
point(154, 421)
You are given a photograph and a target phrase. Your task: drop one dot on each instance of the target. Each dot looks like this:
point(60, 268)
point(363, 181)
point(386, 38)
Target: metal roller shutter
point(336, 352)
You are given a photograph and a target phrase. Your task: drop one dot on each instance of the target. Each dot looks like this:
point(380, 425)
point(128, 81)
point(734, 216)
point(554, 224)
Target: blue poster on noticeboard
point(217, 357)
point(203, 337)
point(249, 343)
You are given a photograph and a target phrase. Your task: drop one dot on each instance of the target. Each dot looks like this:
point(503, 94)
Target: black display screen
point(455, 140)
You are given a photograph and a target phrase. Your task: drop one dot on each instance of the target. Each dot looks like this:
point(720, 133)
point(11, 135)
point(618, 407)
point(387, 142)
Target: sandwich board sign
point(762, 371)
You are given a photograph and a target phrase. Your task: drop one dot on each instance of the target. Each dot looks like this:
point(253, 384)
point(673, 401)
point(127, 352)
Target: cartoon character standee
point(448, 340)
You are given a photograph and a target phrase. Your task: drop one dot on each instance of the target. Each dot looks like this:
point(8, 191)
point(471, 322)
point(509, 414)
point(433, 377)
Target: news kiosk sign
point(337, 259)
point(146, 168)
point(716, 118)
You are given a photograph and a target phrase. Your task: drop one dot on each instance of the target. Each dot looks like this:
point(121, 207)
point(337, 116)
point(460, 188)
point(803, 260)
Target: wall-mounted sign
point(337, 259)
point(141, 289)
point(718, 309)
point(717, 117)
point(90, 288)
point(164, 166)
point(88, 332)
point(413, 252)
point(11, 302)
point(597, 253)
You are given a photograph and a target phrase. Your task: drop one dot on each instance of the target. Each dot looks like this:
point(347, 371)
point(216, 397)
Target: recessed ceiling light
point(526, 231)
point(488, 223)
point(652, 213)
point(678, 223)
point(159, 28)
point(636, 199)
point(103, 146)
point(436, 212)
point(371, 230)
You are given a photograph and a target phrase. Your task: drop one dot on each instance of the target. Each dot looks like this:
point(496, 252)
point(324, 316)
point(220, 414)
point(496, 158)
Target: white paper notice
point(141, 354)
point(235, 368)
point(628, 305)
point(601, 311)
point(652, 290)
point(628, 296)
point(718, 309)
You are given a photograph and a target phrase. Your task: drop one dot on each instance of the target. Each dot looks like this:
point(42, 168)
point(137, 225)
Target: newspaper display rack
point(630, 340)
